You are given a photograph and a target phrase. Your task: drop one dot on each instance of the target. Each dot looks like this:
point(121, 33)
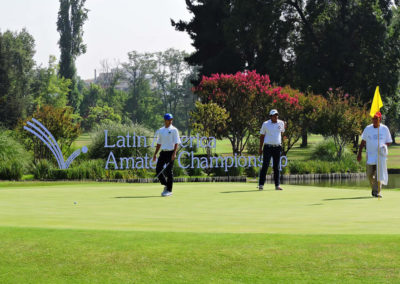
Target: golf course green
point(70, 232)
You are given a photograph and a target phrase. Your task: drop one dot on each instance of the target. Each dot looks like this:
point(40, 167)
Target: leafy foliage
point(71, 17)
point(62, 124)
point(16, 63)
point(98, 151)
point(246, 97)
point(48, 88)
point(342, 120)
point(14, 159)
point(100, 115)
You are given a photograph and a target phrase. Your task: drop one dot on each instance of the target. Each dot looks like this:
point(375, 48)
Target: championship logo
point(48, 139)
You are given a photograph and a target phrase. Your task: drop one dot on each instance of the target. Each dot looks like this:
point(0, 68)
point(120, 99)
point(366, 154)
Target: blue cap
point(168, 116)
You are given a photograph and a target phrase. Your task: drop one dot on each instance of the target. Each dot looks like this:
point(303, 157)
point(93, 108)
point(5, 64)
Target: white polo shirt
point(272, 132)
point(168, 137)
point(370, 135)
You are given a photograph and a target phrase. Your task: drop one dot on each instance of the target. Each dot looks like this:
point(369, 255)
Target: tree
point(391, 109)
point(313, 106)
point(188, 102)
point(352, 45)
point(169, 73)
point(16, 63)
point(209, 120)
point(142, 104)
point(92, 96)
point(171, 77)
point(62, 124)
point(311, 45)
point(263, 34)
point(342, 119)
point(214, 54)
point(71, 17)
point(246, 97)
point(100, 115)
point(47, 88)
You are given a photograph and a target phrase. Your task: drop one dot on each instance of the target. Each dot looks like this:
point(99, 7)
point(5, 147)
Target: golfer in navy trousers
point(271, 146)
point(167, 140)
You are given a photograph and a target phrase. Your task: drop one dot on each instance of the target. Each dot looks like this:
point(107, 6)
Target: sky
point(113, 28)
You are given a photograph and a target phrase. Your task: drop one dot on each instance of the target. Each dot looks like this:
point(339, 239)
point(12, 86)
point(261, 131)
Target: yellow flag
point(376, 102)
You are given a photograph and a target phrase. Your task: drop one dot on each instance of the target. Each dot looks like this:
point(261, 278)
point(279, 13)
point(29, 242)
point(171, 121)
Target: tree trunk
point(304, 139)
point(393, 137)
point(355, 143)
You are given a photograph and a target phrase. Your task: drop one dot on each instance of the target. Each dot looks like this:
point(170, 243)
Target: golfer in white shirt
point(370, 140)
point(167, 140)
point(271, 146)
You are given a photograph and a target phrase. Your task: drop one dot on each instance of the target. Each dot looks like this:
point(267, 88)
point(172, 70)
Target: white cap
point(273, 112)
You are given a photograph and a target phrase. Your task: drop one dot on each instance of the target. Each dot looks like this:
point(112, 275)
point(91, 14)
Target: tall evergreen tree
point(71, 17)
point(214, 54)
point(352, 45)
point(310, 44)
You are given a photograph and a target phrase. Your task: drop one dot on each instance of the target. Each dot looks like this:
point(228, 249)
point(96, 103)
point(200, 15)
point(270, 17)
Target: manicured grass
point(199, 207)
point(223, 146)
point(76, 256)
point(393, 161)
point(83, 140)
point(205, 233)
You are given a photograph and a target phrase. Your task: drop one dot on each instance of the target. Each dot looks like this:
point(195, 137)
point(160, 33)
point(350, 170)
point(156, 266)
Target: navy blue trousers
point(269, 152)
point(167, 176)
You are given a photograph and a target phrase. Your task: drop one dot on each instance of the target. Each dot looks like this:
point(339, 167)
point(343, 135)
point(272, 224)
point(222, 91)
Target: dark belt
point(273, 145)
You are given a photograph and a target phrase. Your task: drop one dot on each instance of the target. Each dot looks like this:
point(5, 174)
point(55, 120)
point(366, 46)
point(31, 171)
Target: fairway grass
point(199, 207)
point(75, 256)
point(70, 232)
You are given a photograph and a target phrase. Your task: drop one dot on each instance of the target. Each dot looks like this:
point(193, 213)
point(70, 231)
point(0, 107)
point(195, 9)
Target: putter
point(162, 171)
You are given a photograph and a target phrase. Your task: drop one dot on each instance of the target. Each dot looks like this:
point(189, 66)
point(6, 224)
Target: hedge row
point(94, 169)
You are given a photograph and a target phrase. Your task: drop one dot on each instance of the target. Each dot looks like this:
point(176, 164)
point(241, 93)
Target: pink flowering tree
point(289, 103)
point(247, 98)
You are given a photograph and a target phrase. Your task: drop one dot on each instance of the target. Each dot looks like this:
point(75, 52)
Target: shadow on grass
point(138, 196)
point(349, 198)
point(239, 191)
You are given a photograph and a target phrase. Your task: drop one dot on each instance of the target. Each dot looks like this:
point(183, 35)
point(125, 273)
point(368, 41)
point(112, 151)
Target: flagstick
point(377, 168)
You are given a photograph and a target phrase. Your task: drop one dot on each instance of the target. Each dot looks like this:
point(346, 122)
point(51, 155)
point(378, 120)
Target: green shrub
point(300, 167)
point(43, 169)
point(346, 165)
point(58, 174)
point(118, 175)
point(321, 167)
point(11, 170)
point(285, 170)
point(326, 151)
point(349, 161)
point(253, 144)
point(217, 171)
point(142, 173)
point(251, 171)
point(233, 171)
point(92, 169)
point(195, 171)
point(98, 151)
point(14, 159)
point(178, 171)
